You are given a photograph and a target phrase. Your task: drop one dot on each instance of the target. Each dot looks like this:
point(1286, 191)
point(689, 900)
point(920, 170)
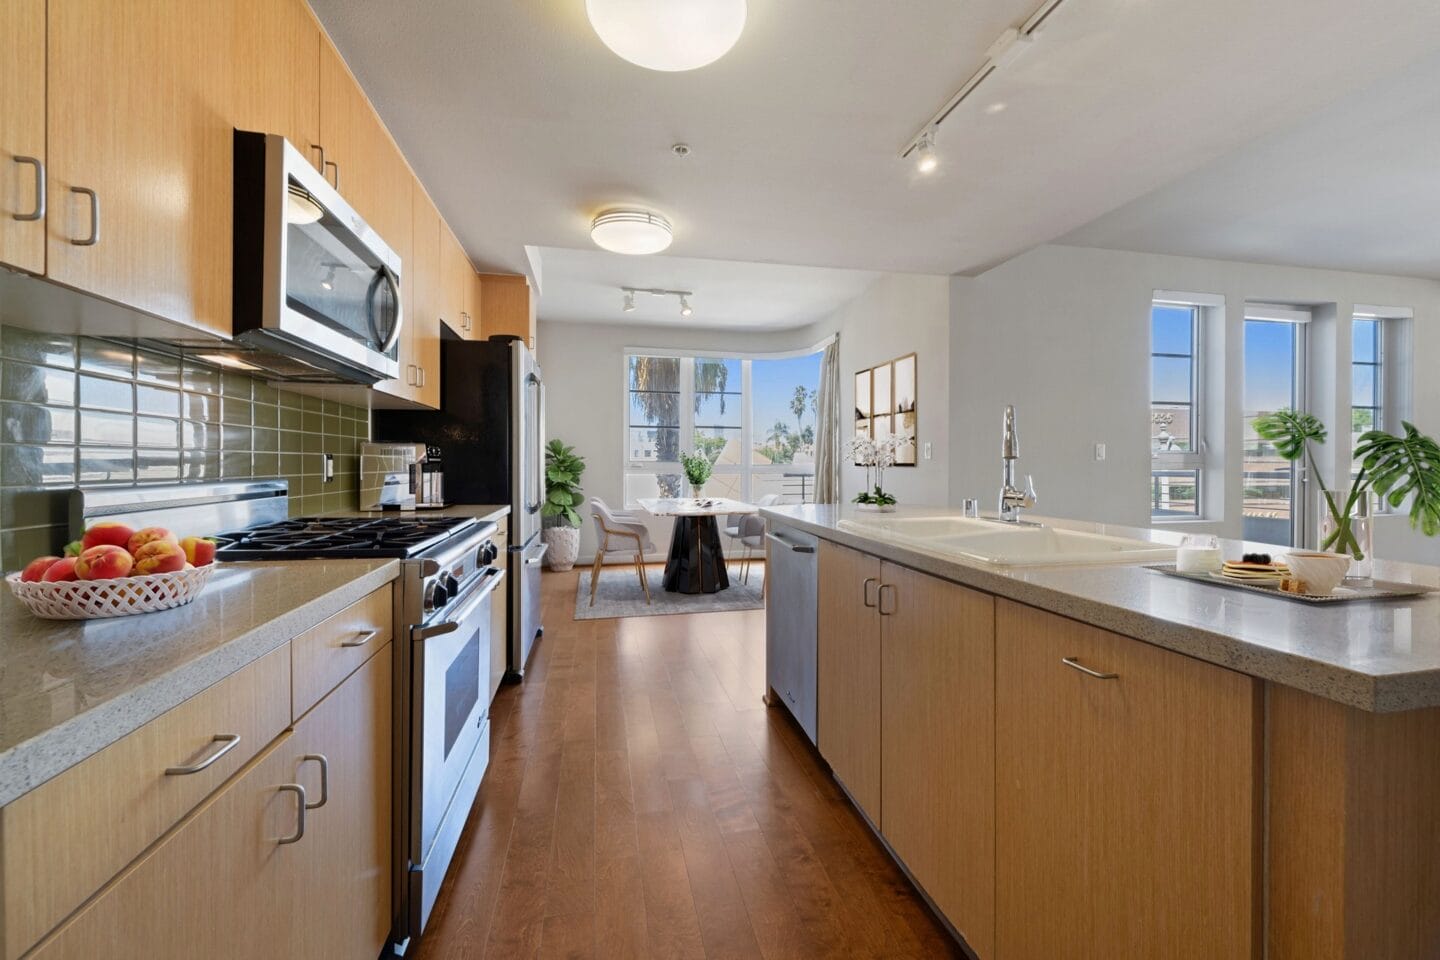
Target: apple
point(159, 556)
point(104, 562)
point(36, 568)
point(199, 551)
point(61, 570)
point(106, 532)
point(148, 535)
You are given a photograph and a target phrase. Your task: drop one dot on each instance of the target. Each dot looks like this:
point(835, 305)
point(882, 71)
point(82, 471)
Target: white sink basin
point(990, 541)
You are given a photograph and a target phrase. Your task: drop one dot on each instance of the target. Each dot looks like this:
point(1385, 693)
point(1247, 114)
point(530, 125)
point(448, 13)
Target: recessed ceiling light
point(669, 35)
point(681, 150)
point(634, 232)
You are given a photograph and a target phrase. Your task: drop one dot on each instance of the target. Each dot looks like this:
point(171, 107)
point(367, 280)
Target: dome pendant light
point(633, 232)
point(669, 35)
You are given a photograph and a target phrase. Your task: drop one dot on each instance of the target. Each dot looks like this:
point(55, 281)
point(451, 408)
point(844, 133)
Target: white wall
point(899, 313)
point(1063, 333)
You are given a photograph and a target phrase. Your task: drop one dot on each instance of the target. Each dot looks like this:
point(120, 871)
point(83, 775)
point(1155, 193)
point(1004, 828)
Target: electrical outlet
point(327, 468)
point(1099, 452)
point(926, 451)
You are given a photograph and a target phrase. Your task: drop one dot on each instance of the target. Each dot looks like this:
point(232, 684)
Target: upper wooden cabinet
point(459, 282)
point(22, 134)
point(276, 53)
point(475, 306)
point(429, 276)
point(140, 155)
point(1127, 799)
point(507, 307)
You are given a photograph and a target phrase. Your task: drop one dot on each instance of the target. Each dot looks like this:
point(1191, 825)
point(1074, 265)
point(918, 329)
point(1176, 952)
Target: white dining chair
point(618, 536)
point(752, 537)
point(733, 523)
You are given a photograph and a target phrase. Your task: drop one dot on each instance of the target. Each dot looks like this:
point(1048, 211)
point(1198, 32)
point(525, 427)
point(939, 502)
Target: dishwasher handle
point(792, 547)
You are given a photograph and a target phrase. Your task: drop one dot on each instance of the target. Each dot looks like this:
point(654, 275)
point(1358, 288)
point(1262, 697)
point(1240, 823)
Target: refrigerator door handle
point(537, 423)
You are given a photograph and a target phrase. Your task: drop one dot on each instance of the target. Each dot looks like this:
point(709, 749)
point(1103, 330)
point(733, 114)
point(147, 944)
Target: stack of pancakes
point(1264, 574)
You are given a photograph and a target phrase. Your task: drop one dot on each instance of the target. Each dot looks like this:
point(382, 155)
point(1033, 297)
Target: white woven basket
point(93, 599)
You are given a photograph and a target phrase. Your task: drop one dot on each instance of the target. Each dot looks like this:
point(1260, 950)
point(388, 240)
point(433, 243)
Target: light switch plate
point(926, 451)
point(1099, 452)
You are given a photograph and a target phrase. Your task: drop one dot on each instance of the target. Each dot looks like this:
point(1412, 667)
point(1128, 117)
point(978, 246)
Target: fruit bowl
point(120, 597)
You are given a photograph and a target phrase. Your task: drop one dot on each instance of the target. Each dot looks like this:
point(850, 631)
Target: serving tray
point(1347, 592)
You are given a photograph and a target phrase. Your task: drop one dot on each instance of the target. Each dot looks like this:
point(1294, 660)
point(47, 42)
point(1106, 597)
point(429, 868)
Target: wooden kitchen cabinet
point(848, 675)
point(22, 134)
point(276, 59)
point(507, 307)
point(1128, 809)
point(475, 306)
point(937, 743)
point(356, 146)
point(500, 613)
point(138, 113)
point(455, 310)
point(429, 277)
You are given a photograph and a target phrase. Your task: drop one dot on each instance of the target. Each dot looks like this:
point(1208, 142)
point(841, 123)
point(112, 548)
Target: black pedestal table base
point(696, 563)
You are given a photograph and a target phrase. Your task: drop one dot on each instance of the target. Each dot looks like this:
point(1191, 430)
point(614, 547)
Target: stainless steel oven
point(448, 712)
point(314, 284)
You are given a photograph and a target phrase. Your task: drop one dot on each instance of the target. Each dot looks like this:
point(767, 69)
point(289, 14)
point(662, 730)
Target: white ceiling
point(523, 125)
point(583, 286)
point(1354, 186)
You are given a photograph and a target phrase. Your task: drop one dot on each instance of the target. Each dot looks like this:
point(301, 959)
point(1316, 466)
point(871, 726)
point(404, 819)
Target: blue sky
point(1269, 360)
point(773, 384)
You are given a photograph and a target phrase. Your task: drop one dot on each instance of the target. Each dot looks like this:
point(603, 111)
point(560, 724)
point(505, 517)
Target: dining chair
point(733, 522)
point(752, 536)
point(617, 536)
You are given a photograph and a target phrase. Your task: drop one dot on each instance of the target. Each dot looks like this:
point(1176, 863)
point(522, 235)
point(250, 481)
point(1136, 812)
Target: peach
point(199, 551)
point(148, 535)
point(106, 532)
point(159, 556)
point(61, 570)
point(105, 562)
point(36, 568)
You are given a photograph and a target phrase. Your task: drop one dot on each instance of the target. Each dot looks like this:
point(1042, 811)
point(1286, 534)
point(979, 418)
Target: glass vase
point(1353, 533)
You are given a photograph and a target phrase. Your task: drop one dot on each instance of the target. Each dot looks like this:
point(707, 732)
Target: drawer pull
point(324, 762)
point(94, 236)
point(39, 212)
point(336, 167)
point(880, 597)
point(1072, 662)
point(360, 639)
point(227, 741)
point(300, 808)
point(866, 598)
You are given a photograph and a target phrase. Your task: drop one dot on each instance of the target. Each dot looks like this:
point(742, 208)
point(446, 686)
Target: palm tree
point(778, 433)
point(797, 407)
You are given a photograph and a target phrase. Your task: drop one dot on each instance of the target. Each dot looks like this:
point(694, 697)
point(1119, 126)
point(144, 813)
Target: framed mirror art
point(885, 403)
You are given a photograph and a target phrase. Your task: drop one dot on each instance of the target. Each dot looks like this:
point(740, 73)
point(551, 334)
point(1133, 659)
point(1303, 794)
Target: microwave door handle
point(394, 283)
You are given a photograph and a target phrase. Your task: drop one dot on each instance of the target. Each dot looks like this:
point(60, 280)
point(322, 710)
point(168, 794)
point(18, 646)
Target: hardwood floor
point(641, 801)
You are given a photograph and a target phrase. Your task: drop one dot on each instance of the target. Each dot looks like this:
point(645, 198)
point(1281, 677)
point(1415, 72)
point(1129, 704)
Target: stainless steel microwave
point(314, 285)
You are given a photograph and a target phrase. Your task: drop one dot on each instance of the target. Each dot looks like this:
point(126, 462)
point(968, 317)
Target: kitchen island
point(1104, 761)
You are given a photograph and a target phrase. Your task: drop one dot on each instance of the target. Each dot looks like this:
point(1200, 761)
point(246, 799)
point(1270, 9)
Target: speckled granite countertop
point(1381, 656)
point(70, 688)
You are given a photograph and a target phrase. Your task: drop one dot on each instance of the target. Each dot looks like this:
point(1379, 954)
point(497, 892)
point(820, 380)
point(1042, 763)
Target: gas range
point(342, 538)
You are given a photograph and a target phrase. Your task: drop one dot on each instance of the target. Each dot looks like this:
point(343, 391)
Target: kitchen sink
point(991, 541)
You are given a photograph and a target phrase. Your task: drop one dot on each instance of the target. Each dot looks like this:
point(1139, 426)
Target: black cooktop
point(340, 538)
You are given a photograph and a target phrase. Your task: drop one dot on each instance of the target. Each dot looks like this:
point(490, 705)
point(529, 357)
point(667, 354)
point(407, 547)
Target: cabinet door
point(428, 274)
point(508, 306)
point(22, 133)
point(474, 304)
point(849, 672)
point(456, 264)
point(221, 886)
point(1128, 808)
point(276, 46)
point(402, 240)
point(342, 904)
point(139, 113)
point(938, 744)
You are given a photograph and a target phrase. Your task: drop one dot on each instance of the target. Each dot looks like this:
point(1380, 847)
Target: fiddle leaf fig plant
point(563, 469)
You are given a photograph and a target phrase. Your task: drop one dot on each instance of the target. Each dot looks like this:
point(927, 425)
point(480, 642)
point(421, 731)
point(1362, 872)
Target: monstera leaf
point(1291, 432)
point(1398, 467)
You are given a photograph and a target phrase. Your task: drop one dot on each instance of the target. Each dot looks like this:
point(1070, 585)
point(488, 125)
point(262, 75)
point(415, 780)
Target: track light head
point(629, 301)
point(685, 308)
point(925, 159)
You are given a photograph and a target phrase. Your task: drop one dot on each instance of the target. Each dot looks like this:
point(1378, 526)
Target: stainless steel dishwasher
point(791, 611)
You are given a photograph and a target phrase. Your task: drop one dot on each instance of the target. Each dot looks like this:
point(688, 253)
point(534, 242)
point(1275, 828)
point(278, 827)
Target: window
point(1367, 387)
point(1272, 508)
point(1176, 449)
point(753, 418)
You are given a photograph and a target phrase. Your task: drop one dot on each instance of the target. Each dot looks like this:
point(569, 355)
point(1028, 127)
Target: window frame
point(1299, 320)
point(1192, 460)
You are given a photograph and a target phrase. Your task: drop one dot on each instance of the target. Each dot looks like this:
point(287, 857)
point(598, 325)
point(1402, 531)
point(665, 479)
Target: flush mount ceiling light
point(669, 35)
point(301, 207)
point(634, 232)
point(685, 309)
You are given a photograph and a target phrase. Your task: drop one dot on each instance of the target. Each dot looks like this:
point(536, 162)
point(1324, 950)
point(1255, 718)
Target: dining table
point(696, 562)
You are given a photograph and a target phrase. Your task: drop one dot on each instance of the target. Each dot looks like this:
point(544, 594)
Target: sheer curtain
point(827, 427)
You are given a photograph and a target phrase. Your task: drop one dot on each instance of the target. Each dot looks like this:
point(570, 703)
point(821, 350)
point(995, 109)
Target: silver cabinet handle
point(94, 237)
point(300, 807)
point(331, 163)
point(881, 598)
point(324, 762)
point(320, 150)
point(1076, 664)
point(866, 598)
point(410, 375)
point(421, 368)
point(39, 210)
point(360, 639)
point(227, 741)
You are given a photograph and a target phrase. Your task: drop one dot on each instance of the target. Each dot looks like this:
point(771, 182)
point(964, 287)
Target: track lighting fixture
point(925, 159)
point(685, 309)
point(629, 301)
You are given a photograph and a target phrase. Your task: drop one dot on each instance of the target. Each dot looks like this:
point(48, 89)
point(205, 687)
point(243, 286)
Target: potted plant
point(563, 468)
point(875, 455)
point(1391, 468)
point(697, 469)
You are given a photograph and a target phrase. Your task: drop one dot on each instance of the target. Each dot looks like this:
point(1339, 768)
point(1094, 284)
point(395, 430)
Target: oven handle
point(473, 599)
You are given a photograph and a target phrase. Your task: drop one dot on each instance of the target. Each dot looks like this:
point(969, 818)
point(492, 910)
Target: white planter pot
point(874, 508)
point(564, 543)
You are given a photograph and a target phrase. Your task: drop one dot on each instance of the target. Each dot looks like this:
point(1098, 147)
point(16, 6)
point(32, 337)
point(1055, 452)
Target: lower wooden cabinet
point(1128, 797)
point(239, 878)
point(848, 673)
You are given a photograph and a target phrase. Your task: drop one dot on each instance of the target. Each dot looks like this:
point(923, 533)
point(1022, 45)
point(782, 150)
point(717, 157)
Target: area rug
point(620, 595)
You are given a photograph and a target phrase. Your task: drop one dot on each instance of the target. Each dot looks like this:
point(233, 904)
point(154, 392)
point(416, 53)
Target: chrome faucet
point(1012, 498)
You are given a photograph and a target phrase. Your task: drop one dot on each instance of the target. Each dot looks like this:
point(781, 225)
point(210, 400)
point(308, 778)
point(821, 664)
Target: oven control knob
point(435, 595)
point(451, 586)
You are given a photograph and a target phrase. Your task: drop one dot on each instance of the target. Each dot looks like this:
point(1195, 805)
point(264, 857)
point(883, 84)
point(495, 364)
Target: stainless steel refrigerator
point(491, 433)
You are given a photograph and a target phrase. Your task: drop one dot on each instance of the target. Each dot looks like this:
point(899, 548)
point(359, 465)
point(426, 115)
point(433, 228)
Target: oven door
point(449, 750)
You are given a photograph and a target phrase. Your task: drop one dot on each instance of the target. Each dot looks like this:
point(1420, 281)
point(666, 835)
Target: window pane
point(646, 485)
point(1171, 428)
point(1268, 509)
point(728, 485)
point(1363, 341)
point(1170, 379)
point(784, 394)
point(717, 410)
point(1171, 329)
point(1174, 493)
point(650, 444)
point(720, 444)
point(1362, 386)
point(792, 486)
point(648, 408)
point(655, 373)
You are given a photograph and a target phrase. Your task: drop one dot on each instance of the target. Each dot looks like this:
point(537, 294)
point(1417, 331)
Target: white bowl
point(1322, 572)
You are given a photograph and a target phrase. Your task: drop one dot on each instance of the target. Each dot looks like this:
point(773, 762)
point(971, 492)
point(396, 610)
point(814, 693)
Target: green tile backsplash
point(77, 411)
